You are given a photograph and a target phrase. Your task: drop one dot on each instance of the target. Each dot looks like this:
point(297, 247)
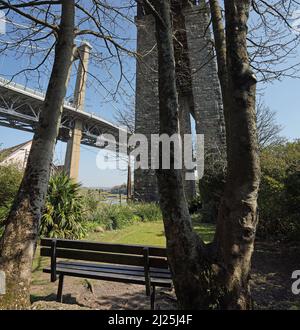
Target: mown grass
point(148, 233)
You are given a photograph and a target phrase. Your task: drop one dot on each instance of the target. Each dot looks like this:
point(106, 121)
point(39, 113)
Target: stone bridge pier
point(198, 87)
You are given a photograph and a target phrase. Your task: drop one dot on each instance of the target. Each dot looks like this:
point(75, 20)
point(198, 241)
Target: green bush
point(112, 217)
point(279, 195)
point(211, 188)
point(63, 214)
point(91, 200)
point(121, 216)
point(10, 180)
point(69, 213)
point(292, 184)
point(195, 205)
point(270, 201)
point(99, 217)
point(148, 212)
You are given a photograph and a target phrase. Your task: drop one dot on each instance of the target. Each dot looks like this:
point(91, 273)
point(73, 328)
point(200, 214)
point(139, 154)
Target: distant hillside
point(120, 189)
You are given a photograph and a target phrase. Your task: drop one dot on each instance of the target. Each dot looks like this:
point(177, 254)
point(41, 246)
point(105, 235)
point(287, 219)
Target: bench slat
point(106, 268)
point(105, 247)
point(110, 277)
point(122, 259)
point(112, 266)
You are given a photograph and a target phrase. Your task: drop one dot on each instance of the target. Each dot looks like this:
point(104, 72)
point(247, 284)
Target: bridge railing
point(6, 82)
point(21, 88)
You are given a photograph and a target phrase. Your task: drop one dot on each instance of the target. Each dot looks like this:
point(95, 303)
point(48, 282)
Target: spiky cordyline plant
point(63, 215)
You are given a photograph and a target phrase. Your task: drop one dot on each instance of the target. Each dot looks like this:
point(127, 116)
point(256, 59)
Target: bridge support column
point(197, 84)
point(73, 152)
point(73, 147)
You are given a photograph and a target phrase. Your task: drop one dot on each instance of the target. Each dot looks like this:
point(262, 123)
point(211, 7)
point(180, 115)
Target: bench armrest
point(53, 260)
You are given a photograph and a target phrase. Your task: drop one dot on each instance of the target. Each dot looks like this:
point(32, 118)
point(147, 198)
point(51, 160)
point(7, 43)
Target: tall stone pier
point(198, 86)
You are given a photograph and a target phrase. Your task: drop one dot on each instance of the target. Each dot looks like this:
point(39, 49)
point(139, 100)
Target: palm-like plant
point(63, 214)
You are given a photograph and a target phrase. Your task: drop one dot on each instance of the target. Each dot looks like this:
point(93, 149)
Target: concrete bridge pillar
point(73, 147)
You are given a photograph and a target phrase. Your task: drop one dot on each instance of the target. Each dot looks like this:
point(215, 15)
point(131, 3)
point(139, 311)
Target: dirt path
point(104, 295)
point(271, 286)
point(273, 265)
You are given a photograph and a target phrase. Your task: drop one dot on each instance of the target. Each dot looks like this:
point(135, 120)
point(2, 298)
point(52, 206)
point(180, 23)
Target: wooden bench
point(145, 265)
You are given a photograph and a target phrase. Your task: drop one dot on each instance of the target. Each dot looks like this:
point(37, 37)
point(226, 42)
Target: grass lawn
point(149, 233)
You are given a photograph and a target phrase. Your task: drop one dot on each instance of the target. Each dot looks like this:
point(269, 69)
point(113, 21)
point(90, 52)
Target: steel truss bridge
point(20, 108)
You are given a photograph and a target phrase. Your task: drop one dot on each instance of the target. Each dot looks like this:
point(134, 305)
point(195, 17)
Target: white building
point(17, 155)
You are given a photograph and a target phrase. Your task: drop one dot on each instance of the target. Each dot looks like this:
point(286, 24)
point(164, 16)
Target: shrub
point(121, 216)
point(292, 184)
point(211, 188)
point(91, 200)
point(99, 218)
point(279, 196)
point(10, 180)
point(148, 212)
point(270, 202)
point(111, 217)
point(195, 205)
point(63, 214)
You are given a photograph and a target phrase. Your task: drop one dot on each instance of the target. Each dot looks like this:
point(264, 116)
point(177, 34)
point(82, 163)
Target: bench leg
point(60, 289)
point(152, 298)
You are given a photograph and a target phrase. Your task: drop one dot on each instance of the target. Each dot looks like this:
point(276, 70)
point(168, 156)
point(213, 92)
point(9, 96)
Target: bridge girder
point(20, 109)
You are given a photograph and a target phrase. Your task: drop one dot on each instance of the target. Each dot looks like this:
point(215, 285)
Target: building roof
point(9, 151)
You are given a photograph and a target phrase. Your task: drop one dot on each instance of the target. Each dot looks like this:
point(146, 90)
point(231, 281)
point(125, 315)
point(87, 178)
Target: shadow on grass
point(205, 230)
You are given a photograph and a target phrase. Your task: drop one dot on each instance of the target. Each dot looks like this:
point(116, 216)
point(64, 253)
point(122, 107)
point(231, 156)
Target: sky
point(281, 97)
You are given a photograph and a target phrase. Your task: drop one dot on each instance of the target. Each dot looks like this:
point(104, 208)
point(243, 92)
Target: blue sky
point(282, 97)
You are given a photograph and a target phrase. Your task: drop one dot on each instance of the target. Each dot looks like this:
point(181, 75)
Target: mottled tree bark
point(214, 275)
point(184, 246)
point(17, 245)
point(237, 220)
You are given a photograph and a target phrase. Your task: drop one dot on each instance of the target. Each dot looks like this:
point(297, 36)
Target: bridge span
point(20, 108)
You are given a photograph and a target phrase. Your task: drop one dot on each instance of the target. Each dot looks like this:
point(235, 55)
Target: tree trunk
point(214, 275)
point(17, 245)
point(237, 219)
point(183, 244)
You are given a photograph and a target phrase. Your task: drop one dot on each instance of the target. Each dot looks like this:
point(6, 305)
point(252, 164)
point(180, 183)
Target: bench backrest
point(122, 254)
